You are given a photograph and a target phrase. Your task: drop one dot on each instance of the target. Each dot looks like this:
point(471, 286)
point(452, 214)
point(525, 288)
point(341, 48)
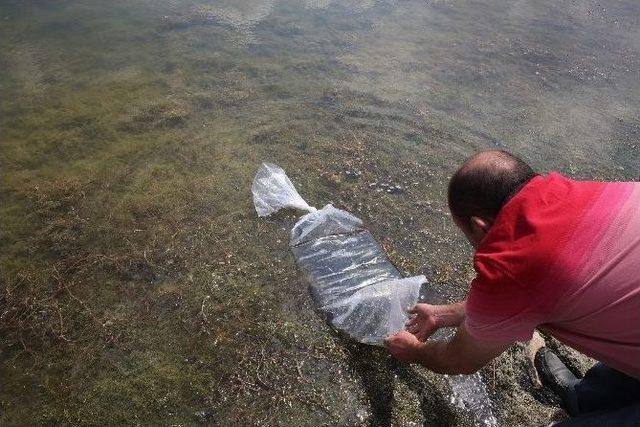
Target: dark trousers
point(604, 397)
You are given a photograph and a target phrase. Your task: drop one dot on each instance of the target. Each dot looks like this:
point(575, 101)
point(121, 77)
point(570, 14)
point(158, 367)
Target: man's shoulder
point(527, 238)
point(523, 262)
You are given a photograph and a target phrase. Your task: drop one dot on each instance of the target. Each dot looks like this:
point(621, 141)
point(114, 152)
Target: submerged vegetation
point(138, 287)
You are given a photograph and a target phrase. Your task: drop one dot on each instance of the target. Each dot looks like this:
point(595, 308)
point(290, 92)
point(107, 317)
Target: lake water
point(138, 286)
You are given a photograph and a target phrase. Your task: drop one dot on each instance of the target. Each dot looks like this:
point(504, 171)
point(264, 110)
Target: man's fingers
point(388, 340)
point(413, 310)
point(411, 322)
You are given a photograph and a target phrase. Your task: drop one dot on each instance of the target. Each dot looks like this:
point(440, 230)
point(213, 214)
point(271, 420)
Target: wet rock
point(390, 188)
point(396, 189)
point(352, 175)
point(333, 179)
point(205, 417)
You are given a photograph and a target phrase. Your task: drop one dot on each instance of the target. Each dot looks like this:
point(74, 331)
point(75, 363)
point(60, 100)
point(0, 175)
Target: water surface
point(138, 286)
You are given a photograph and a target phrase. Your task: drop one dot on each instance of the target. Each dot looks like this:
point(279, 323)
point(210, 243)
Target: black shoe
point(555, 374)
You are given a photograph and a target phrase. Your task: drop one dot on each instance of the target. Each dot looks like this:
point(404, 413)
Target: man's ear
point(480, 226)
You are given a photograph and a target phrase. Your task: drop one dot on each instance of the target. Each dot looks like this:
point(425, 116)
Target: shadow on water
point(377, 380)
point(380, 375)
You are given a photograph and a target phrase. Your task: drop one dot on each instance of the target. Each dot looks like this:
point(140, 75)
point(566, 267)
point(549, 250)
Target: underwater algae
point(137, 287)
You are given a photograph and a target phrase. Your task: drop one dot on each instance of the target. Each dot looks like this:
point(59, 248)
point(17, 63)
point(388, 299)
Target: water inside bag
point(353, 282)
point(351, 279)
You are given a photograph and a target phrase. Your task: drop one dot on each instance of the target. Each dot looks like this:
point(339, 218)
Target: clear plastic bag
point(272, 190)
point(350, 278)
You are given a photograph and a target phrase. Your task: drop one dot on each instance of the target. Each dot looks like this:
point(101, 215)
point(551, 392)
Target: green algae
point(137, 285)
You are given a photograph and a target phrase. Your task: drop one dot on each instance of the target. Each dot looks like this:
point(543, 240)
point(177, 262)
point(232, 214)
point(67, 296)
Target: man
point(551, 253)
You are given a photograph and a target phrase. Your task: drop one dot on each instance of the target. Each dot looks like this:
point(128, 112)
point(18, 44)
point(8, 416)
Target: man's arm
point(462, 354)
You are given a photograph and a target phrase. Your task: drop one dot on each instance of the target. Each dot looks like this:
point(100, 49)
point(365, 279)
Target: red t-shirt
point(563, 256)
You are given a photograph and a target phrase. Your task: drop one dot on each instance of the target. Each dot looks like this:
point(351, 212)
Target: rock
point(205, 417)
point(394, 189)
point(352, 175)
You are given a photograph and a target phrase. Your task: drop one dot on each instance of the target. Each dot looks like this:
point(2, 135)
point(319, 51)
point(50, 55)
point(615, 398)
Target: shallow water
point(137, 284)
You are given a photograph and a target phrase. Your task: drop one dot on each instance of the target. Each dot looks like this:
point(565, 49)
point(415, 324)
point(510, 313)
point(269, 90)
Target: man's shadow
point(378, 371)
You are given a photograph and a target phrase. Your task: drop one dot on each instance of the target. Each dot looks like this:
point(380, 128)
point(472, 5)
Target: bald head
point(484, 183)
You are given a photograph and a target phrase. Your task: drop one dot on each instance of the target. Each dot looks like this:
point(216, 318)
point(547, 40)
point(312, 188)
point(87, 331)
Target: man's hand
point(424, 321)
point(429, 318)
point(404, 346)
